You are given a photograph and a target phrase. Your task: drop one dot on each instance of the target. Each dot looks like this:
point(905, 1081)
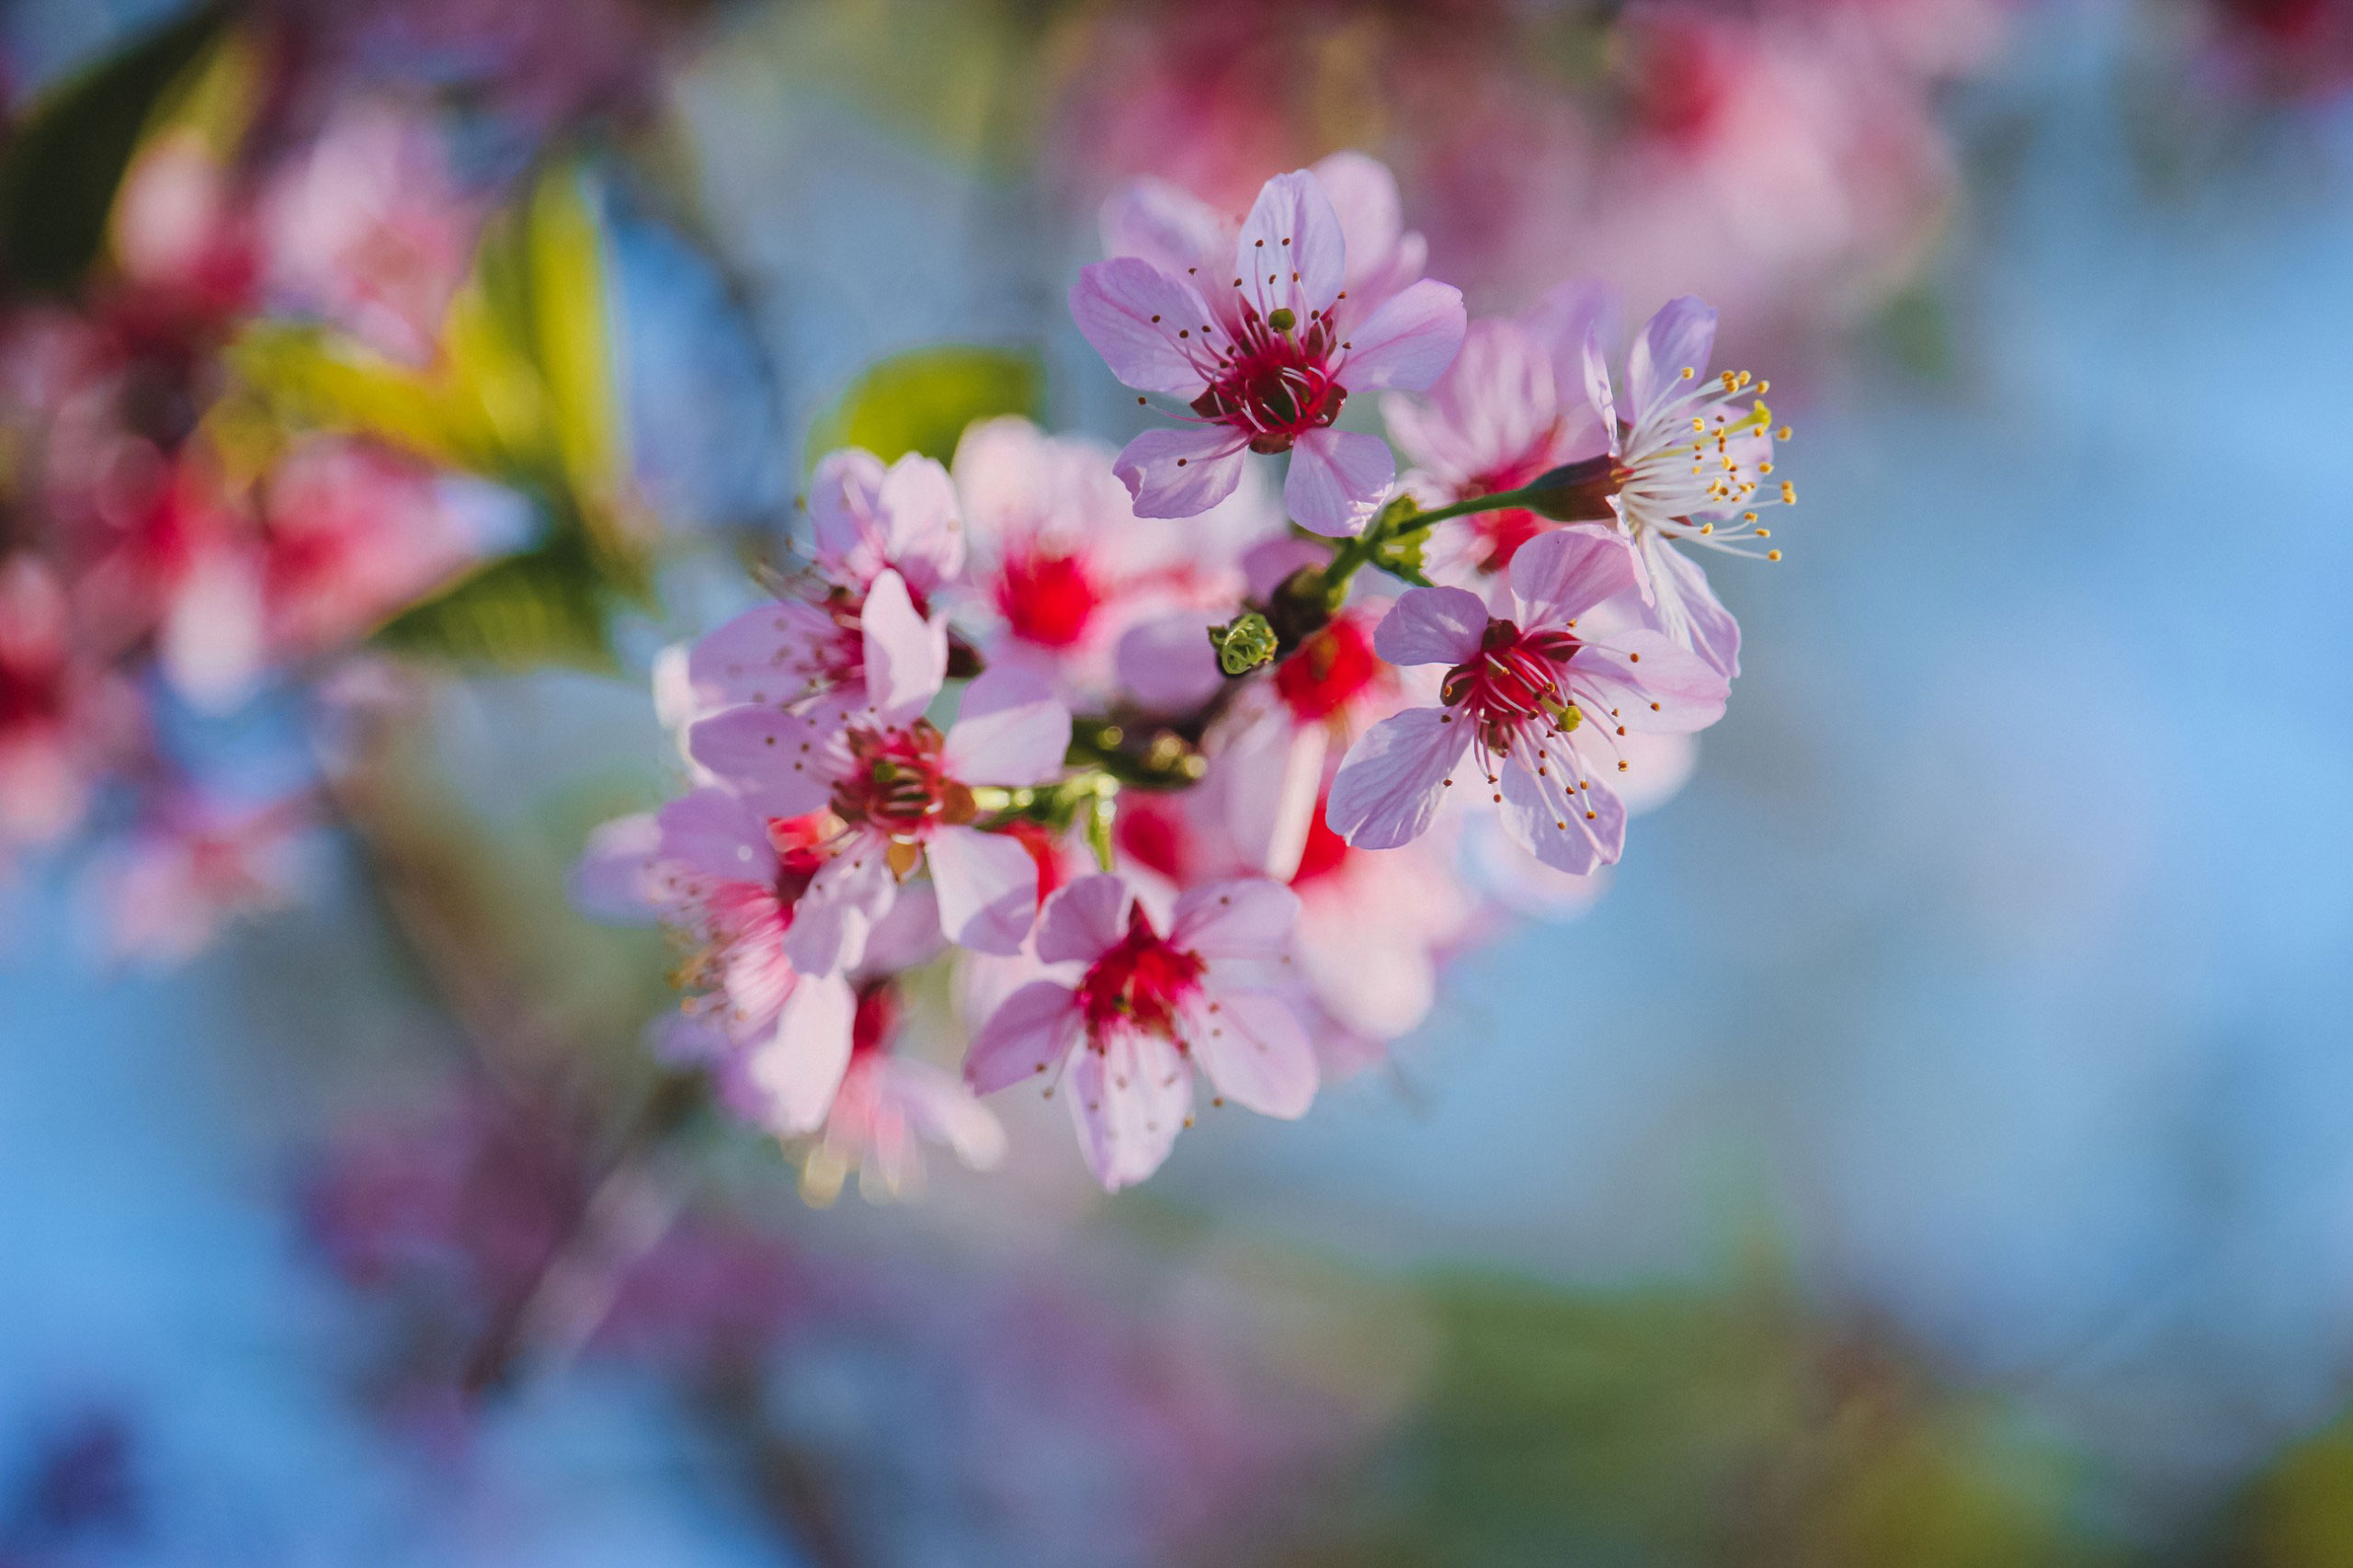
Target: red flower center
point(1324, 852)
point(876, 1019)
point(896, 782)
point(1142, 983)
point(1515, 678)
point(1275, 386)
point(1327, 670)
point(1503, 532)
point(1047, 599)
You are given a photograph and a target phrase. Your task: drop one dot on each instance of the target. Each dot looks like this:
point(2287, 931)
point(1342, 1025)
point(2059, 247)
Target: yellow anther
point(1749, 517)
point(1707, 528)
point(1763, 468)
point(1743, 378)
point(1764, 533)
point(1772, 555)
point(1783, 434)
point(1788, 494)
point(1732, 382)
point(1689, 372)
point(1699, 426)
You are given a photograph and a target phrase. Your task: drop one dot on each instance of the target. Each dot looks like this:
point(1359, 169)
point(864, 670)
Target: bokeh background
point(1936, 1149)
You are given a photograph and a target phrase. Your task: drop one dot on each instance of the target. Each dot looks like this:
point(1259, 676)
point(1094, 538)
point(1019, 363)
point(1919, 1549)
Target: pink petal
point(1679, 337)
point(944, 1111)
point(1688, 608)
point(843, 494)
point(849, 894)
point(801, 1063)
point(906, 655)
point(613, 878)
point(1166, 664)
point(1494, 409)
point(1364, 198)
point(759, 656)
point(1433, 626)
point(1255, 1053)
point(1132, 312)
point(1181, 472)
point(1267, 565)
point(1546, 814)
point(1008, 731)
point(1337, 481)
point(988, 888)
point(1564, 323)
point(1029, 1032)
point(1558, 576)
point(906, 935)
point(1129, 1103)
point(782, 764)
point(714, 832)
point(1246, 918)
point(1083, 920)
point(1391, 783)
point(1291, 253)
point(1264, 774)
point(1167, 226)
point(1645, 681)
point(923, 534)
point(1408, 342)
point(1596, 415)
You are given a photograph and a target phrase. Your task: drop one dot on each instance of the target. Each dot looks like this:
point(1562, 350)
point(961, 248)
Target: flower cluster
point(1197, 792)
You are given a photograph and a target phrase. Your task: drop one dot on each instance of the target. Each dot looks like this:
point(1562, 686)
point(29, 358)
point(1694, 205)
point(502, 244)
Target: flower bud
point(1243, 643)
point(1577, 491)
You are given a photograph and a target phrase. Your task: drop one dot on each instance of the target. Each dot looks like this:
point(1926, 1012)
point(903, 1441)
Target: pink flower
point(905, 795)
point(1265, 360)
point(777, 1037)
point(196, 863)
point(1147, 1009)
point(890, 1104)
point(1513, 406)
point(868, 639)
point(1690, 466)
point(60, 720)
point(1062, 570)
point(368, 229)
point(1536, 704)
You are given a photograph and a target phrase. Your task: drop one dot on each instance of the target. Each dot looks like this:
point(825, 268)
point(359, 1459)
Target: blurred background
point(1936, 1149)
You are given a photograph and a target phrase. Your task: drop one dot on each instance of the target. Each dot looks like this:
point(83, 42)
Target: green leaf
point(921, 401)
point(62, 164)
point(545, 607)
point(316, 380)
point(563, 260)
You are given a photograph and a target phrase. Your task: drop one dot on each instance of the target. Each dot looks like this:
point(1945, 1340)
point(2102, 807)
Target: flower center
point(1047, 599)
point(1327, 670)
point(1277, 385)
point(876, 1018)
point(1324, 852)
point(896, 782)
point(1143, 984)
point(1516, 678)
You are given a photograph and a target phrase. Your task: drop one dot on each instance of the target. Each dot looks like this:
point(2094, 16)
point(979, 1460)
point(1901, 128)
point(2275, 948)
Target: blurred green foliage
point(1667, 1427)
point(921, 401)
point(63, 162)
point(522, 392)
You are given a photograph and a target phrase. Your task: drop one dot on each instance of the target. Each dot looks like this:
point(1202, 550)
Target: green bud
point(1243, 643)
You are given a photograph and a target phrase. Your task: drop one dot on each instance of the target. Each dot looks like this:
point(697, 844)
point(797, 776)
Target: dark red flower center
point(895, 781)
point(1515, 678)
point(1327, 670)
point(1141, 983)
point(1275, 386)
point(877, 1017)
point(1047, 599)
point(1324, 852)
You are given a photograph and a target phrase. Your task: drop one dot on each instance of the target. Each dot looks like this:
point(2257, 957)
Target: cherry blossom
point(1265, 361)
point(903, 794)
point(1145, 1008)
point(729, 884)
point(1535, 701)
